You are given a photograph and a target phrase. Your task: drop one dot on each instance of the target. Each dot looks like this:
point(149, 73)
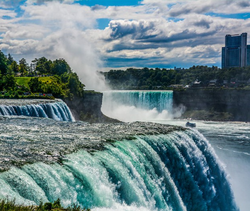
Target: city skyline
point(152, 33)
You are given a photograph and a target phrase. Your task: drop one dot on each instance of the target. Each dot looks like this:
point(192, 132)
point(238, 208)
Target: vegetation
point(43, 78)
point(23, 81)
point(157, 78)
point(56, 206)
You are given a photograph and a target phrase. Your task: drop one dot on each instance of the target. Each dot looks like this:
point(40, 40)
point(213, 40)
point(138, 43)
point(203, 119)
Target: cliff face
point(88, 108)
point(234, 102)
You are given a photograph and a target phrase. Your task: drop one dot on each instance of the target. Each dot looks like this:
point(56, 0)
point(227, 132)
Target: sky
point(113, 34)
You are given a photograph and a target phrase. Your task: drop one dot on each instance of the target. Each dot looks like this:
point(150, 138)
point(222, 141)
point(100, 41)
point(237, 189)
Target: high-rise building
point(248, 55)
point(236, 52)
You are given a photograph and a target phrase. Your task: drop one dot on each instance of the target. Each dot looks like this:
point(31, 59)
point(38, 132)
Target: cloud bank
point(153, 33)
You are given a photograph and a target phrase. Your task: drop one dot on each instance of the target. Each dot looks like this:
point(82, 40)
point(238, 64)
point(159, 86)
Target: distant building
point(236, 52)
point(213, 82)
point(248, 55)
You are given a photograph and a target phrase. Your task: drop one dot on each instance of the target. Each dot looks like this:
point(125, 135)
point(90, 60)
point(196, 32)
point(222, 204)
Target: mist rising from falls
point(177, 171)
point(139, 105)
point(57, 110)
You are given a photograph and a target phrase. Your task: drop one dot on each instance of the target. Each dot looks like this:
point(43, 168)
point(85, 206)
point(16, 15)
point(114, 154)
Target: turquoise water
point(139, 105)
point(55, 110)
point(147, 170)
point(231, 142)
point(160, 100)
point(158, 172)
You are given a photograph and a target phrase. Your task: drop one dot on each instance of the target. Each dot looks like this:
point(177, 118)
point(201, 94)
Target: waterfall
point(170, 172)
point(138, 105)
point(57, 110)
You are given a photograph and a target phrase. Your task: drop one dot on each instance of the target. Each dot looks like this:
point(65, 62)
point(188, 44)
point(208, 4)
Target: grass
point(56, 206)
point(45, 79)
point(24, 81)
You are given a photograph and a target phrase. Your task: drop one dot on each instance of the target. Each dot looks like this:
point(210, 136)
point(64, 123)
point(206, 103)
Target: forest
point(49, 79)
point(195, 76)
point(43, 78)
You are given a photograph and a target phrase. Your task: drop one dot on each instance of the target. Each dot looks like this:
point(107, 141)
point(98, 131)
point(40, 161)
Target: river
point(230, 140)
point(131, 166)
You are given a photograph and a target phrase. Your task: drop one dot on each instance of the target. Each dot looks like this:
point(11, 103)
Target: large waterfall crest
point(176, 171)
point(138, 105)
point(56, 110)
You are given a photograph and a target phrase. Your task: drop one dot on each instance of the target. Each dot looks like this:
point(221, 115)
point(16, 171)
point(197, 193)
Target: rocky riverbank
point(207, 115)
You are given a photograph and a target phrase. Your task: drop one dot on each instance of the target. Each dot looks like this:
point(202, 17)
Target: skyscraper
point(248, 55)
point(236, 51)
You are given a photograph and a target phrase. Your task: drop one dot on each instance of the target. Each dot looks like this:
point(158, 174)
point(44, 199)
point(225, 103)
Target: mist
point(129, 106)
point(82, 58)
point(63, 34)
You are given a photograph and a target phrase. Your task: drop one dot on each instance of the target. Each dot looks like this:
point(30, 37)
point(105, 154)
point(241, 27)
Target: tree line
point(61, 81)
point(157, 78)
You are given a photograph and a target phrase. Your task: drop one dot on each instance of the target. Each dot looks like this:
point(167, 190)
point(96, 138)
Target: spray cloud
point(64, 35)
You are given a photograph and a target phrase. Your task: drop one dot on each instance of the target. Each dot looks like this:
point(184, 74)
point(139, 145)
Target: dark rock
point(233, 102)
point(88, 108)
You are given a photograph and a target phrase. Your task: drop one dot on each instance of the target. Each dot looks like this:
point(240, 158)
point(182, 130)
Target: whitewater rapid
point(125, 166)
point(54, 109)
point(135, 105)
point(106, 167)
point(231, 141)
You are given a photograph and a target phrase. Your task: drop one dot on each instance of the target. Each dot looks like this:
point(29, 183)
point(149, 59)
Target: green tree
point(60, 66)
point(23, 67)
point(35, 85)
point(13, 67)
point(177, 78)
point(3, 63)
point(75, 86)
point(42, 65)
point(9, 59)
point(9, 82)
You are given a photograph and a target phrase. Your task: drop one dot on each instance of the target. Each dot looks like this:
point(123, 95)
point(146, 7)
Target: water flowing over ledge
point(138, 105)
point(136, 166)
point(56, 110)
point(160, 100)
point(29, 140)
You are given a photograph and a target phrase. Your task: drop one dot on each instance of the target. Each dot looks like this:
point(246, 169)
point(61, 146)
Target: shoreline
point(205, 115)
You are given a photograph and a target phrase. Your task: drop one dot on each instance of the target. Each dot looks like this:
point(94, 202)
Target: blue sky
point(109, 2)
point(118, 34)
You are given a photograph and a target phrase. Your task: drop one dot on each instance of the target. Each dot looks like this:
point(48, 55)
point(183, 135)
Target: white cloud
point(7, 13)
point(183, 7)
point(156, 31)
point(44, 1)
point(55, 15)
point(55, 30)
point(197, 38)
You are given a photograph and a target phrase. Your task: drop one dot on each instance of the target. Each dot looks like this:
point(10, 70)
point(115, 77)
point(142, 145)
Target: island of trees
point(43, 78)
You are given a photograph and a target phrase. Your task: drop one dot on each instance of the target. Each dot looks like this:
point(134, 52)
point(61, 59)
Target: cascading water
point(55, 110)
point(160, 100)
point(139, 166)
point(138, 105)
